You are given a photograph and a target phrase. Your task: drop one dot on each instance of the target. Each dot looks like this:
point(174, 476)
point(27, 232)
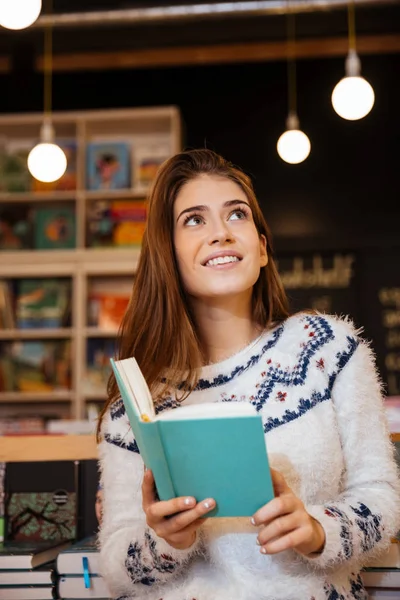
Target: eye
point(193, 220)
point(238, 214)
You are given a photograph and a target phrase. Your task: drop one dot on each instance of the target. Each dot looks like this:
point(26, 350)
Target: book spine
point(155, 459)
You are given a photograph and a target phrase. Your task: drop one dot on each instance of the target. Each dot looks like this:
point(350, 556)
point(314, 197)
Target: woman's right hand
point(176, 520)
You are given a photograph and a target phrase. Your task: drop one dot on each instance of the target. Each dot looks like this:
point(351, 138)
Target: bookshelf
point(145, 130)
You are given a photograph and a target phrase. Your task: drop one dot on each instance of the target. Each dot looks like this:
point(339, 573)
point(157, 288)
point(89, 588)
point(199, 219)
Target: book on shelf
point(98, 370)
point(108, 165)
point(68, 181)
point(27, 592)
point(36, 366)
point(14, 172)
point(42, 575)
point(80, 588)
point(16, 226)
point(2, 500)
point(41, 501)
point(43, 303)
point(116, 223)
point(108, 299)
point(55, 228)
point(7, 320)
point(211, 450)
point(381, 577)
point(148, 156)
point(389, 559)
point(71, 560)
point(24, 556)
point(22, 426)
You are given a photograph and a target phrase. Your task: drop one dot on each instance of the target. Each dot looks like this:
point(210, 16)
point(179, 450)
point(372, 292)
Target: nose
point(221, 233)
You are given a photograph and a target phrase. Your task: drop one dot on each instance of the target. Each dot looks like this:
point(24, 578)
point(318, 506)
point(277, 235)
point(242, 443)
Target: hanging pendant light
point(293, 146)
point(47, 161)
point(19, 14)
point(353, 97)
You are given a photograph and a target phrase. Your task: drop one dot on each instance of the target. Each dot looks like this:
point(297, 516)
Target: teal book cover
point(214, 450)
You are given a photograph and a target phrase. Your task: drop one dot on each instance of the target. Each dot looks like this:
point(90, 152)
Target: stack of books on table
point(78, 572)
point(382, 575)
point(27, 572)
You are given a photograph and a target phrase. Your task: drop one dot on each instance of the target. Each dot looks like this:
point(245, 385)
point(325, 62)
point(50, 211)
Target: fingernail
point(208, 504)
point(257, 542)
point(189, 501)
point(263, 551)
point(252, 521)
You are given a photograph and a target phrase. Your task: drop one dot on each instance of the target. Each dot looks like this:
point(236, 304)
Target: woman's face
point(218, 249)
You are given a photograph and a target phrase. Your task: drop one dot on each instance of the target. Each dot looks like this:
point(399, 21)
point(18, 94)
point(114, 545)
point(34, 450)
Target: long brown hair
point(158, 327)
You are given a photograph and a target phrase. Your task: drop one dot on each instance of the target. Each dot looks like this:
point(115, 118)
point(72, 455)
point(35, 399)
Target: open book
point(210, 450)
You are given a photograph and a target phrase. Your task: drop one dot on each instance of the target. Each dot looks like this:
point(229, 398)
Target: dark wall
point(344, 199)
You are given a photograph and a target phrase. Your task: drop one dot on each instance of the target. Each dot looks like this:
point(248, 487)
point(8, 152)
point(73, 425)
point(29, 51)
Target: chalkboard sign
point(365, 285)
point(380, 311)
point(324, 282)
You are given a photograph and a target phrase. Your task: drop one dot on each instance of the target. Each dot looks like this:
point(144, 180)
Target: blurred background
point(229, 70)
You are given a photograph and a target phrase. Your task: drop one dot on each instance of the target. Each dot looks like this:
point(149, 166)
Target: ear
point(263, 251)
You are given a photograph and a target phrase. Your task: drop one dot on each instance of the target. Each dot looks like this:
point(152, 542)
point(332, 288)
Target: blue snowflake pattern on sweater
point(370, 526)
point(147, 574)
point(205, 384)
point(345, 529)
point(304, 404)
point(120, 443)
point(117, 409)
point(356, 590)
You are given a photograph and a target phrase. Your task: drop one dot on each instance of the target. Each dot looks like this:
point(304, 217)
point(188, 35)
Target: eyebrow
point(204, 208)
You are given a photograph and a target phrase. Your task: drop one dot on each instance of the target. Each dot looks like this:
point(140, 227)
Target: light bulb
point(353, 98)
point(19, 14)
point(47, 162)
point(293, 145)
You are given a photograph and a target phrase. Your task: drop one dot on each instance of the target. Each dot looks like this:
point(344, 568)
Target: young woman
point(208, 308)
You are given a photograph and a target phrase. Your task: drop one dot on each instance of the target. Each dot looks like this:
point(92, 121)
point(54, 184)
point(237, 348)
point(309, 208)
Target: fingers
point(182, 518)
point(292, 539)
point(279, 506)
point(278, 528)
point(148, 489)
point(279, 483)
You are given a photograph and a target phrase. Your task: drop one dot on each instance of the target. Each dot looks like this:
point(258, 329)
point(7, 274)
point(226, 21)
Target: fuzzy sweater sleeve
point(360, 522)
point(133, 558)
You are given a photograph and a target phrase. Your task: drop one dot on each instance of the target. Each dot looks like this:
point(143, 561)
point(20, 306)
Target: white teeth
point(221, 260)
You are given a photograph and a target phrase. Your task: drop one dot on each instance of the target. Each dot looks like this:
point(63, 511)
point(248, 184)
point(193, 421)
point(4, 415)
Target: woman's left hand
point(285, 524)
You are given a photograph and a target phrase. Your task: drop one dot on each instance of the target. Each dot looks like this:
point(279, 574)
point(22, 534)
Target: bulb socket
point(47, 132)
point(292, 121)
point(353, 64)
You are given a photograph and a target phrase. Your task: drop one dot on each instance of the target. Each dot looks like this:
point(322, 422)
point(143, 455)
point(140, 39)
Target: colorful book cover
point(69, 180)
point(16, 227)
point(116, 223)
point(148, 157)
point(108, 166)
point(98, 370)
point(14, 172)
point(41, 366)
point(55, 228)
point(41, 501)
point(42, 303)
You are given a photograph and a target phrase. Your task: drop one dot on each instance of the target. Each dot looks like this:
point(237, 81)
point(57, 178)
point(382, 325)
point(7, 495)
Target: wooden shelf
point(96, 332)
point(115, 194)
point(36, 334)
point(37, 196)
point(146, 130)
point(22, 397)
point(395, 437)
point(47, 447)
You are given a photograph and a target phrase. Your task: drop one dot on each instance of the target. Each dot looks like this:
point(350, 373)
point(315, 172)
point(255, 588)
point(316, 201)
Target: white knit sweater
point(314, 381)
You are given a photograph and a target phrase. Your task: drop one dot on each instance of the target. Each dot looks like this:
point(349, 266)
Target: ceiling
point(328, 20)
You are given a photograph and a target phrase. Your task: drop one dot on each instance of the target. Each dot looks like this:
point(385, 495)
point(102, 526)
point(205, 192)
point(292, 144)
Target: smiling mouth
point(222, 260)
